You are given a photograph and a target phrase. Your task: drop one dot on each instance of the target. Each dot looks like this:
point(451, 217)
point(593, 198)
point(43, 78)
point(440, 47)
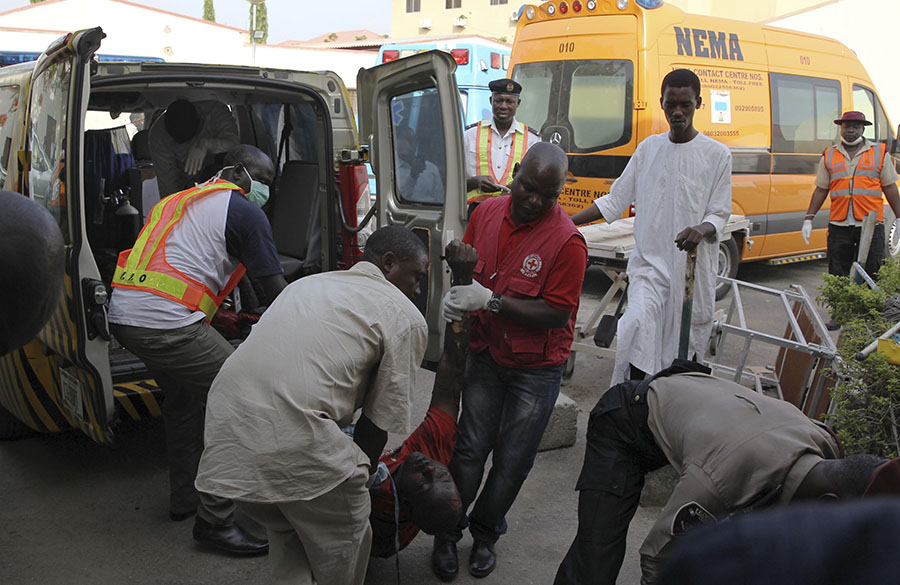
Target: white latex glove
point(196, 156)
point(448, 313)
point(469, 297)
point(806, 230)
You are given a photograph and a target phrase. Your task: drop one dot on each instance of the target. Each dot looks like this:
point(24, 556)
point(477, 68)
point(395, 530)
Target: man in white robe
point(680, 185)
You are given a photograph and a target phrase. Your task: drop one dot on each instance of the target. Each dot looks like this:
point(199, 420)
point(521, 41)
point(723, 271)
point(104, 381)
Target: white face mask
point(855, 142)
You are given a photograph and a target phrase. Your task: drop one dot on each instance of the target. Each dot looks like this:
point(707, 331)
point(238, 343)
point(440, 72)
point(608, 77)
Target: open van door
point(69, 365)
point(409, 117)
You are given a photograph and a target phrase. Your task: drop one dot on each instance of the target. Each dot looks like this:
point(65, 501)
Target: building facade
point(489, 18)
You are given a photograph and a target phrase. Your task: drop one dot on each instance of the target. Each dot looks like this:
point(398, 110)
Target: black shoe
point(179, 517)
point(229, 538)
point(444, 562)
point(482, 560)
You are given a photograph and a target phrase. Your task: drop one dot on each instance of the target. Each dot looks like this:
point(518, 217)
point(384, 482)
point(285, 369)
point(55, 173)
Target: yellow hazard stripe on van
point(138, 399)
point(798, 258)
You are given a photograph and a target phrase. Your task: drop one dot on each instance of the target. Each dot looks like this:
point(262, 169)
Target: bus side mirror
point(894, 143)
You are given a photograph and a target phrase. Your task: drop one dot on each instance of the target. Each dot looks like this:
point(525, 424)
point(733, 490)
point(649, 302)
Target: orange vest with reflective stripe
point(863, 186)
point(484, 138)
point(144, 267)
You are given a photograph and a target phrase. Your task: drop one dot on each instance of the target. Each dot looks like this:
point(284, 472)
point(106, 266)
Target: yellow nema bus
point(591, 72)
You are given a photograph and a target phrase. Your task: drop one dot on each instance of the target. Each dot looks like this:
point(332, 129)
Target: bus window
point(536, 80)
point(864, 101)
point(803, 113)
point(419, 161)
point(588, 100)
point(596, 103)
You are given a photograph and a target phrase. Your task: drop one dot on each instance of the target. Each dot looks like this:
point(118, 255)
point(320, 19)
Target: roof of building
point(342, 36)
point(45, 3)
point(377, 42)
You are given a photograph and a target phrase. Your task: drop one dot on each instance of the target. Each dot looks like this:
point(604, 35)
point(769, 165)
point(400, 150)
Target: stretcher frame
point(795, 301)
point(611, 254)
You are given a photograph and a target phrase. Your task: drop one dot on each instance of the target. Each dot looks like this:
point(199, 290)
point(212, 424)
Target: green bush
point(867, 398)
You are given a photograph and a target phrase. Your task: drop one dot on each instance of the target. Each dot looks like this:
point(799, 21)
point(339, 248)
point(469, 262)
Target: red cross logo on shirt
point(531, 265)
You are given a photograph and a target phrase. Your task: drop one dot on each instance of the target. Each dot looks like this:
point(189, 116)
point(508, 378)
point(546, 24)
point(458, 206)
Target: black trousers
point(843, 247)
point(620, 451)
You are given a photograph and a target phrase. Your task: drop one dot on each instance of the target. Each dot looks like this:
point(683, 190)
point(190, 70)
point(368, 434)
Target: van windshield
point(587, 102)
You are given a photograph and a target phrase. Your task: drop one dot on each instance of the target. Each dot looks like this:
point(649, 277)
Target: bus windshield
point(587, 101)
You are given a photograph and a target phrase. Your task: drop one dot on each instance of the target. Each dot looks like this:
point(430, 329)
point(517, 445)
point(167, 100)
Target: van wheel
point(11, 427)
point(729, 258)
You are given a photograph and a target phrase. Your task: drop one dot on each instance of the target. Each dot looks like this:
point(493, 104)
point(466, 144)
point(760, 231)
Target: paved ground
point(73, 512)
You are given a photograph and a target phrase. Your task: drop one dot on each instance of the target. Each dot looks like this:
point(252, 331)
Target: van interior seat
point(294, 215)
point(143, 187)
point(107, 158)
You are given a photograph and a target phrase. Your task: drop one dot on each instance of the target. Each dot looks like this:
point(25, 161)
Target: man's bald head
point(32, 262)
point(548, 157)
point(538, 182)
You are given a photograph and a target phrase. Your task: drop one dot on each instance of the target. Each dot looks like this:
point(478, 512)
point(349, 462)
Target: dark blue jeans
point(504, 410)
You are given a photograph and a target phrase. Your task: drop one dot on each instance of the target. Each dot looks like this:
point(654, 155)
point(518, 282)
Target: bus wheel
point(11, 427)
point(729, 258)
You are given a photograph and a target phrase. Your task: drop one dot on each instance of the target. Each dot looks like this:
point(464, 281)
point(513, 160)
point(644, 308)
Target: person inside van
point(165, 290)
point(418, 179)
point(855, 172)
point(680, 185)
point(189, 141)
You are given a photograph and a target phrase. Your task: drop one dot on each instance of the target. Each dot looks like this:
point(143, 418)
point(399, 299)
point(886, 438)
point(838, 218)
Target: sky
point(288, 19)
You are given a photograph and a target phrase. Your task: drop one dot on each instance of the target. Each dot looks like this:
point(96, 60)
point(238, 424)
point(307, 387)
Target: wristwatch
point(495, 303)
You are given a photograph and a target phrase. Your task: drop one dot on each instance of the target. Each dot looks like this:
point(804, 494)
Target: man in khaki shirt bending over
point(734, 450)
point(331, 344)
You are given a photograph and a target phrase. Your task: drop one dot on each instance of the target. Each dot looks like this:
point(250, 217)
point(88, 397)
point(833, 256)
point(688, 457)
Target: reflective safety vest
point(863, 186)
point(144, 267)
point(484, 138)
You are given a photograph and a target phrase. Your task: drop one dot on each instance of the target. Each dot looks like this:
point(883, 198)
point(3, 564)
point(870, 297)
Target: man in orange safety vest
point(855, 172)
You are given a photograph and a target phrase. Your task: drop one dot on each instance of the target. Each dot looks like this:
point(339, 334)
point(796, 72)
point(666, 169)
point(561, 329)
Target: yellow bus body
point(769, 94)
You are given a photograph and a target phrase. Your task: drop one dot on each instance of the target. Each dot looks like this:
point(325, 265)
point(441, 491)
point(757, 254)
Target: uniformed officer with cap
point(495, 146)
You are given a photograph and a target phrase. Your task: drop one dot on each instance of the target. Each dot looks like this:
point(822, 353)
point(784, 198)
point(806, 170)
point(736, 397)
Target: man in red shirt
point(531, 263)
point(417, 492)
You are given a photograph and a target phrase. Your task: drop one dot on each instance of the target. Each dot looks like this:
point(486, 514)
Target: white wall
point(136, 30)
point(869, 28)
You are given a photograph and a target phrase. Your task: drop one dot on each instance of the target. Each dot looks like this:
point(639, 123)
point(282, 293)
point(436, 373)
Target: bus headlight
point(551, 9)
point(529, 12)
point(621, 4)
point(591, 4)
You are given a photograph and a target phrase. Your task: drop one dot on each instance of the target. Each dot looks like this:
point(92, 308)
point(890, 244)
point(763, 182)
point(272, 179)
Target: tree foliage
point(867, 396)
point(209, 11)
point(262, 21)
